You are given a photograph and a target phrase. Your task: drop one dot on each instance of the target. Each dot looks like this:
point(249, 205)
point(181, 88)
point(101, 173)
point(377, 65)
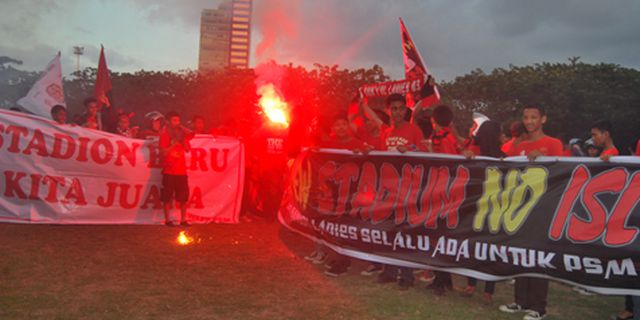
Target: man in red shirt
point(601, 135)
point(59, 114)
point(518, 134)
point(443, 139)
point(402, 135)
point(174, 143)
point(342, 138)
point(531, 293)
point(537, 143)
point(370, 133)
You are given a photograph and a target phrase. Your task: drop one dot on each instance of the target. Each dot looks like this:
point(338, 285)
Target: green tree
point(575, 95)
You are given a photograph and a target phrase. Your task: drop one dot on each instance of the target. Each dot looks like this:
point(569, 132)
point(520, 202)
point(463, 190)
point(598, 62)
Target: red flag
point(103, 81)
point(414, 67)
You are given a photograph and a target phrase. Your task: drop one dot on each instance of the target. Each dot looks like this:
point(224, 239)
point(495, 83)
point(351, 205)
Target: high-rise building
point(225, 36)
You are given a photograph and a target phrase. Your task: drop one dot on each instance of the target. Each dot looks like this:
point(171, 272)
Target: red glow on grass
point(183, 239)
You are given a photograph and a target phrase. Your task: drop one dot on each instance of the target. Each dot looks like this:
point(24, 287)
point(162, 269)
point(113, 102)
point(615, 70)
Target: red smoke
point(276, 19)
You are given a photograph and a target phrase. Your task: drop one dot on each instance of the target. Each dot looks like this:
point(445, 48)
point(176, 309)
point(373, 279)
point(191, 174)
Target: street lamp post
point(78, 51)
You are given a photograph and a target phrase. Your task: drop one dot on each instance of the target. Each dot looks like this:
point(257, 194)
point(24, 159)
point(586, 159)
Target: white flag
point(46, 92)
point(478, 120)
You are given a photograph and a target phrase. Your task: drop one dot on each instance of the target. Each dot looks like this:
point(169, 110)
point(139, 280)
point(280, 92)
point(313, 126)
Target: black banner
point(570, 219)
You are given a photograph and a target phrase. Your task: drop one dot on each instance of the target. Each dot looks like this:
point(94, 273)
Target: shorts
point(174, 187)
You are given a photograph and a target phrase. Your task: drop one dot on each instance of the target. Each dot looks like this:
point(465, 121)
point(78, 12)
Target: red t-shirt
point(506, 147)
point(638, 149)
point(351, 144)
point(444, 141)
point(474, 148)
point(610, 152)
point(407, 134)
point(548, 146)
point(366, 137)
point(175, 147)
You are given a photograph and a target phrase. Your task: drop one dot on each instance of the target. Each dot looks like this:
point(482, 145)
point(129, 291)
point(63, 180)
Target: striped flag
point(414, 67)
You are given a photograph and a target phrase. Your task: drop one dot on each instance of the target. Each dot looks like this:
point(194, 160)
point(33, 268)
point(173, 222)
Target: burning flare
point(272, 104)
point(183, 239)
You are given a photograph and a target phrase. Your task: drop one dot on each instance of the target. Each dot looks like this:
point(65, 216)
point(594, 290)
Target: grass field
point(247, 271)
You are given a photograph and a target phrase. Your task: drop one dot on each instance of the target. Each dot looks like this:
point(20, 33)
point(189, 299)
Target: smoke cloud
point(277, 21)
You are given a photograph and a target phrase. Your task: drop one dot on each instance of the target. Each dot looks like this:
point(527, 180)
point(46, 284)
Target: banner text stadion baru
point(65, 174)
point(575, 219)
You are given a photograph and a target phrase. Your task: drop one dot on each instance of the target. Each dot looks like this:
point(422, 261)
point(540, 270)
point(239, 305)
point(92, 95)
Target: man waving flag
point(414, 67)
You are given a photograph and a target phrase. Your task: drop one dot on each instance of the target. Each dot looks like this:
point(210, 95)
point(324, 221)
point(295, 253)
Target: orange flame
point(183, 239)
point(272, 104)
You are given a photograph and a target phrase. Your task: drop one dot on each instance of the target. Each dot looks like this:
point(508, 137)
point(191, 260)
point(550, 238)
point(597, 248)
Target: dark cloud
point(36, 57)
point(186, 13)
point(454, 37)
point(20, 19)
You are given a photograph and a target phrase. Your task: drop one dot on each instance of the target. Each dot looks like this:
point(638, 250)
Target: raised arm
point(364, 108)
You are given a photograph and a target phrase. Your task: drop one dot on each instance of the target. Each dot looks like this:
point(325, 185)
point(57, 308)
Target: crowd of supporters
point(172, 136)
point(398, 128)
point(432, 129)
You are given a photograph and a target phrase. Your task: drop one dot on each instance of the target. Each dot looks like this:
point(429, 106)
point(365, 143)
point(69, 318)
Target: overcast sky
point(454, 36)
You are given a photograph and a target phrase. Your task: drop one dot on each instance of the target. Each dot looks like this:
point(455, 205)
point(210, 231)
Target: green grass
point(246, 271)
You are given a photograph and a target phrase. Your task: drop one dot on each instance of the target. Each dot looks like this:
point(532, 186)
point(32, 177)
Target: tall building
point(225, 36)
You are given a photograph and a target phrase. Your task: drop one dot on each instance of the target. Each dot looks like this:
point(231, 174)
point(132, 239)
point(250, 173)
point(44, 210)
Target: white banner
point(64, 174)
point(46, 92)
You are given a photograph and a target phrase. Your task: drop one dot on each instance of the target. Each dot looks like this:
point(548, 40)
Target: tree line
point(575, 94)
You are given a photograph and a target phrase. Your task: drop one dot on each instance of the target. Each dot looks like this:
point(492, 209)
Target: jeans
point(489, 286)
point(531, 293)
point(406, 274)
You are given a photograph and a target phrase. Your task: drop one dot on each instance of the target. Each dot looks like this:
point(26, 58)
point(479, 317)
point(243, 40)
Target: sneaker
point(511, 308)
point(383, 278)
point(330, 263)
point(427, 276)
point(533, 315)
point(371, 270)
point(320, 258)
point(404, 285)
point(467, 291)
point(625, 315)
point(583, 291)
point(312, 256)
point(337, 270)
point(487, 299)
